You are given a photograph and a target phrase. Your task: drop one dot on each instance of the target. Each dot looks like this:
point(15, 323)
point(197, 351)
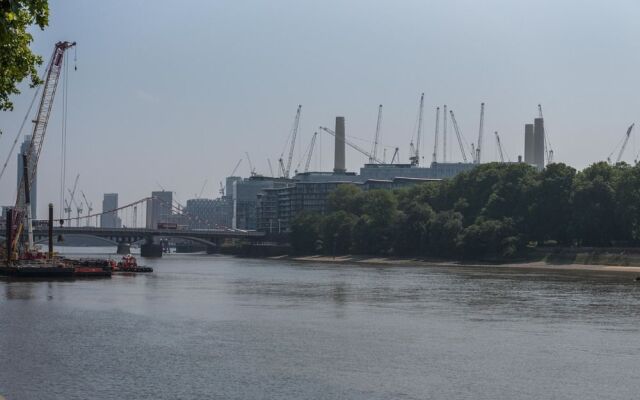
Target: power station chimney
point(528, 144)
point(538, 143)
point(339, 164)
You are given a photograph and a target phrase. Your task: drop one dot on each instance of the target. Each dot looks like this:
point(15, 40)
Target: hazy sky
point(176, 92)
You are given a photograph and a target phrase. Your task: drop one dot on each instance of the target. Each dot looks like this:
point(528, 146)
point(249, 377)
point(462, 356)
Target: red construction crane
point(40, 122)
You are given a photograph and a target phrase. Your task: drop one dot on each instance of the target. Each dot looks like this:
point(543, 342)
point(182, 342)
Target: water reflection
point(252, 329)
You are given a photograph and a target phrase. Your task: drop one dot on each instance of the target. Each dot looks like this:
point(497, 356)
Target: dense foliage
point(17, 62)
point(495, 210)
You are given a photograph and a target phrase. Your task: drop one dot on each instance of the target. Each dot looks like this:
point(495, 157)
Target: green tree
point(627, 198)
point(444, 231)
point(17, 61)
point(373, 233)
point(551, 204)
point(593, 202)
point(412, 225)
point(489, 237)
point(346, 197)
point(305, 233)
point(336, 232)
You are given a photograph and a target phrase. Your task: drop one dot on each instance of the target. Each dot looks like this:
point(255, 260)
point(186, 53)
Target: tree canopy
point(17, 61)
point(494, 210)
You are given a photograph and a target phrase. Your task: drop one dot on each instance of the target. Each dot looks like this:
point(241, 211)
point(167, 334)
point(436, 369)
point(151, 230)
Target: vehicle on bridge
point(167, 225)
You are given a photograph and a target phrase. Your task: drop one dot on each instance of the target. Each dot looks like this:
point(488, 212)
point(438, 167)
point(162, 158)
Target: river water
point(216, 327)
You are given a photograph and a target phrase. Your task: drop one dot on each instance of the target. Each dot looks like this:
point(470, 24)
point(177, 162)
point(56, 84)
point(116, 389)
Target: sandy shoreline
point(439, 263)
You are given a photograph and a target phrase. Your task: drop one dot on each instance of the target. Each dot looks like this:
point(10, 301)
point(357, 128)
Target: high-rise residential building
point(109, 218)
point(24, 149)
point(159, 208)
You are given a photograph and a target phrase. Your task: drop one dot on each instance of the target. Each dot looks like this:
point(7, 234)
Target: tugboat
point(130, 264)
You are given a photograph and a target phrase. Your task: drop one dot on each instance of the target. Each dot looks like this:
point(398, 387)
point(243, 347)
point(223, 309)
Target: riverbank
point(389, 261)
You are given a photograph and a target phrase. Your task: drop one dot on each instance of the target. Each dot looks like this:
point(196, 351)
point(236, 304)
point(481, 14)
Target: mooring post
point(50, 230)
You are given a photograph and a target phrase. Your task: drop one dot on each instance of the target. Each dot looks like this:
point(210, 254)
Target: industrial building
point(24, 149)
point(109, 218)
point(534, 140)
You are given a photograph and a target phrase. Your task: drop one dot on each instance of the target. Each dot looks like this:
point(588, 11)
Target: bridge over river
point(212, 238)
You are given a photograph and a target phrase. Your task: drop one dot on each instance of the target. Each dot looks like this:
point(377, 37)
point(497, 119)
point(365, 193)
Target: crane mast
point(499, 144)
point(236, 167)
point(624, 145)
point(444, 135)
point(415, 156)
point(78, 207)
point(311, 146)
point(480, 133)
point(435, 145)
point(374, 153)
point(459, 136)
point(396, 156)
point(270, 167)
point(89, 206)
point(72, 193)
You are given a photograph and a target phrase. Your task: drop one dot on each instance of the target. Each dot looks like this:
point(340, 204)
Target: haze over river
point(218, 327)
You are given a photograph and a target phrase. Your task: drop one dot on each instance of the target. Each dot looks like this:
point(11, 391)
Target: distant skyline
point(176, 93)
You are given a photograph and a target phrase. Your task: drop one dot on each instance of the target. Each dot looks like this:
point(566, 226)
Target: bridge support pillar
point(124, 248)
point(213, 249)
point(151, 250)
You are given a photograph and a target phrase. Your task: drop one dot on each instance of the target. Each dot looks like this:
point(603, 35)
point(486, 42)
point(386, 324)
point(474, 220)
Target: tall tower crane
point(459, 136)
point(444, 135)
point(67, 208)
point(89, 206)
point(236, 167)
point(374, 152)
point(72, 194)
point(294, 132)
point(79, 209)
point(623, 147)
point(270, 167)
point(500, 150)
point(480, 133)
point(221, 190)
point(415, 156)
point(353, 146)
point(252, 170)
point(434, 157)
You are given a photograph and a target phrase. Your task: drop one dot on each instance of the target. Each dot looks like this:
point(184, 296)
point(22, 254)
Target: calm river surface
point(215, 327)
